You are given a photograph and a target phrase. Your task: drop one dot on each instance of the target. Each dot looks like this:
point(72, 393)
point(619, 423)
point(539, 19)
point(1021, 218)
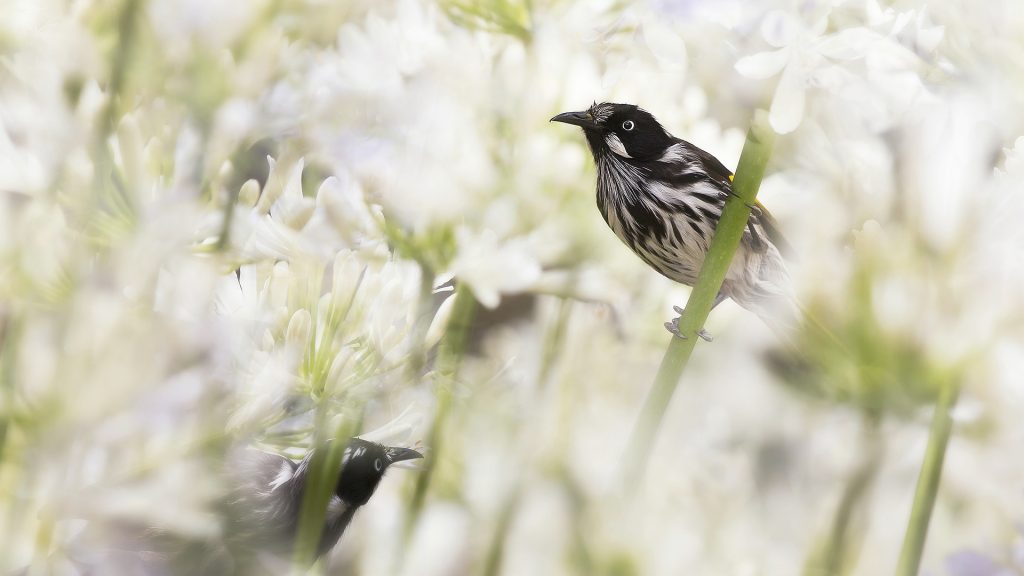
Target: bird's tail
point(781, 313)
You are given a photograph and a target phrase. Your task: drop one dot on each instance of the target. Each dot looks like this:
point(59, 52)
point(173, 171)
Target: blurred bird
point(663, 196)
point(261, 516)
point(269, 489)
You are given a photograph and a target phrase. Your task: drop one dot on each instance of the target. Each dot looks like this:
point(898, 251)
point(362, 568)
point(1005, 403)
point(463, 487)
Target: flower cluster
point(225, 225)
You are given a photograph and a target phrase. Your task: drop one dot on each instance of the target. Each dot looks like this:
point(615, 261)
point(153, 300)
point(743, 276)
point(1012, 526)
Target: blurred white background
point(227, 221)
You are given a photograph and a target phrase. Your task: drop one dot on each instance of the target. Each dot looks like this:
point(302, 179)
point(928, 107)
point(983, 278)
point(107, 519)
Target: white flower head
point(214, 24)
point(805, 57)
point(491, 267)
point(400, 430)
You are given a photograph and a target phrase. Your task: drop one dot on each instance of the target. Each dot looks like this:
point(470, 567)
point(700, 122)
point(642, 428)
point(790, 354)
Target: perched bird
point(663, 196)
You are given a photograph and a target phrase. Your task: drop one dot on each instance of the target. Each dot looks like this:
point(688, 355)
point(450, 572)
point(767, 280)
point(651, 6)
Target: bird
point(264, 507)
point(662, 196)
point(259, 516)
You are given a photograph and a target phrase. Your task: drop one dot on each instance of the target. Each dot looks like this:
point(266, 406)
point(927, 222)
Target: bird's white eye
point(378, 465)
point(628, 125)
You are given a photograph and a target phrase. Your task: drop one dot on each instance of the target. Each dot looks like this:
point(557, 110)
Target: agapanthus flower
point(806, 56)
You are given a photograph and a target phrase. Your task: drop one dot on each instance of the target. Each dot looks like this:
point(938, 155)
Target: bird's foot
point(673, 327)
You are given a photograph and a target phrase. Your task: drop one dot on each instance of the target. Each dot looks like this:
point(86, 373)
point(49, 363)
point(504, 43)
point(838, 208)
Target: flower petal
point(848, 44)
point(664, 43)
point(788, 105)
point(763, 64)
point(779, 28)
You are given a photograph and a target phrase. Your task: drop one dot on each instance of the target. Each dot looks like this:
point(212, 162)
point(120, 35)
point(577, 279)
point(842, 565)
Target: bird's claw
point(673, 327)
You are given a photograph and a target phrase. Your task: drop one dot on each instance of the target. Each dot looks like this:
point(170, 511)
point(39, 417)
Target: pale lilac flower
point(971, 563)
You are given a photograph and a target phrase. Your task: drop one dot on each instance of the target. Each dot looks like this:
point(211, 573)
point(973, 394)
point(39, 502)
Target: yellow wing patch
point(730, 177)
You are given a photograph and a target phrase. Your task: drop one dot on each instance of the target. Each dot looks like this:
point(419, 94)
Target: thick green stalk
point(753, 159)
point(928, 481)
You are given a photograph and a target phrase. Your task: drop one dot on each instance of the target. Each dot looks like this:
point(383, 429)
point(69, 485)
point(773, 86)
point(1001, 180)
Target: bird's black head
point(625, 130)
point(363, 466)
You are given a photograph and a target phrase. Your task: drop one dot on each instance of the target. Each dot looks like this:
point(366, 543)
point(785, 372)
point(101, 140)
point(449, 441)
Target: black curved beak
point(581, 119)
point(399, 454)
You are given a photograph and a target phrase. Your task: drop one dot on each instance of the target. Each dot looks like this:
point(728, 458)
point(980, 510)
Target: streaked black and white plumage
point(663, 196)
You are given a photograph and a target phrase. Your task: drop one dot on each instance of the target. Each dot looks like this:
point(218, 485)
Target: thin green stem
point(449, 358)
point(9, 336)
point(928, 481)
point(224, 238)
point(496, 551)
point(10, 469)
point(424, 315)
point(324, 470)
point(728, 232)
point(554, 341)
point(127, 27)
point(837, 554)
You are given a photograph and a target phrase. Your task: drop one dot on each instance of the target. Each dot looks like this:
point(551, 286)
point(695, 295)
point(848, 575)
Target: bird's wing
point(723, 176)
point(771, 228)
point(259, 471)
point(260, 501)
point(714, 168)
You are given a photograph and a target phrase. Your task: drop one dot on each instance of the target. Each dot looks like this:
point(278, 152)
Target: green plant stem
point(496, 549)
point(554, 341)
point(324, 470)
point(127, 27)
point(449, 358)
point(424, 315)
point(728, 233)
point(10, 468)
point(838, 553)
point(9, 336)
point(928, 481)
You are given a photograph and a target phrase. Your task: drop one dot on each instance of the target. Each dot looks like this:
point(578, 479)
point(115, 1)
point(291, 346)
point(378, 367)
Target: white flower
point(913, 26)
point(378, 55)
point(388, 298)
point(267, 379)
point(38, 129)
point(214, 24)
point(274, 228)
point(341, 201)
point(805, 57)
point(491, 267)
point(399, 431)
